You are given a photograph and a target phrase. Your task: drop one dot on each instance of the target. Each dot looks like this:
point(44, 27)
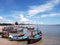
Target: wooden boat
point(7, 30)
point(17, 37)
point(34, 38)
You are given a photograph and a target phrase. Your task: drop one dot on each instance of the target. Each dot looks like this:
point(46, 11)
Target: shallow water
point(50, 36)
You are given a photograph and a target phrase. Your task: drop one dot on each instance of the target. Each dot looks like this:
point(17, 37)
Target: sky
point(30, 11)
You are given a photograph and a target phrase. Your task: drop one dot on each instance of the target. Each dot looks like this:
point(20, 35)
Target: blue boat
point(34, 38)
point(17, 37)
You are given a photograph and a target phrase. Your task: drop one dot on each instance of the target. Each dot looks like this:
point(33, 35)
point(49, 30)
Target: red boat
point(7, 30)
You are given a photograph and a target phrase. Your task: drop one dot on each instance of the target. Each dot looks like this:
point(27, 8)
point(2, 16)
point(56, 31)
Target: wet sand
point(47, 39)
point(4, 41)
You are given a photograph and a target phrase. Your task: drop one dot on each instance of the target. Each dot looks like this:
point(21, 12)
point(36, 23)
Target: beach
point(49, 37)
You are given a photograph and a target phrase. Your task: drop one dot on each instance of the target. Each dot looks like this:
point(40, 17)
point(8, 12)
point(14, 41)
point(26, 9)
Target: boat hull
point(17, 39)
point(31, 41)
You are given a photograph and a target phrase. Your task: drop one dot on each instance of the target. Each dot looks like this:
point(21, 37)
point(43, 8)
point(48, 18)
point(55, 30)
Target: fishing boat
point(30, 34)
point(7, 30)
point(20, 35)
point(17, 37)
point(34, 37)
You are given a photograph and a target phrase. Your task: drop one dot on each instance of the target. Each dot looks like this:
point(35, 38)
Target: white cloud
point(1, 18)
point(42, 8)
point(50, 15)
point(41, 23)
point(5, 20)
point(35, 22)
point(23, 19)
point(16, 16)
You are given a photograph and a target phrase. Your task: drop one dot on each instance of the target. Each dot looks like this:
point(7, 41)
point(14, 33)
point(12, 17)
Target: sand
point(46, 40)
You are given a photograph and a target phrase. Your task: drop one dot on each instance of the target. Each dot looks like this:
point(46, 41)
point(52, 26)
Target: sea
point(50, 34)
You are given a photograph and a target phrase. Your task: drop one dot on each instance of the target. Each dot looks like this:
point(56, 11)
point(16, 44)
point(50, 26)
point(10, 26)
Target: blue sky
point(30, 11)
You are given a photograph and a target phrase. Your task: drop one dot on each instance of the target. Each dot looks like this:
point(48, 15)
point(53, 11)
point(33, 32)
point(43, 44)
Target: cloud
point(41, 22)
point(42, 8)
point(36, 22)
point(20, 16)
point(5, 20)
point(50, 15)
point(23, 19)
point(1, 18)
